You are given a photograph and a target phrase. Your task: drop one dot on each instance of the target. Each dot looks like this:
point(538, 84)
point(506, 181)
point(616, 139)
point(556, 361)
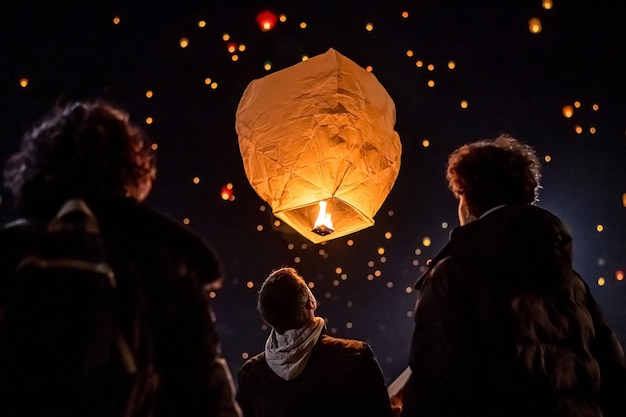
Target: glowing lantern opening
point(319, 131)
point(266, 20)
point(323, 225)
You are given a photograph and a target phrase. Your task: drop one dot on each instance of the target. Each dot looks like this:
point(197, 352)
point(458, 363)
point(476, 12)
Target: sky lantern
point(266, 20)
point(318, 144)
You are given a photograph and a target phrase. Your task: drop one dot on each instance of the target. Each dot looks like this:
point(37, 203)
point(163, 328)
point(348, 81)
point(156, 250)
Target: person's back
point(303, 371)
point(503, 323)
point(92, 152)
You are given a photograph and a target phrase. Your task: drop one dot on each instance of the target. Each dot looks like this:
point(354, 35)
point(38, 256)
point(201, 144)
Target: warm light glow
point(577, 104)
point(235, 57)
point(250, 284)
point(419, 64)
point(464, 104)
point(547, 4)
point(154, 146)
point(305, 57)
point(201, 23)
point(425, 143)
point(116, 20)
point(267, 66)
point(409, 53)
point(338, 270)
point(276, 223)
point(619, 275)
point(149, 94)
point(601, 281)
point(242, 47)
point(595, 107)
point(259, 228)
point(547, 158)
point(451, 64)
point(213, 85)
point(592, 130)
point(302, 25)
point(149, 120)
point(369, 27)
point(231, 47)
point(381, 251)
point(266, 20)
point(225, 37)
point(350, 242)
point(369, 68)
point(430, 67)
point(24, 82)
point(534, 25)
point(405, 14)
point(283, 18)
point(186, 220)
point(426, 241)
point(323, 224)
point(388, 235)
point(624, 199)
point(579, 129)
point(196, 180)
point(431, 83)
point(599, 228)
point(207, 80)
point(184, 42)
point(568, 111)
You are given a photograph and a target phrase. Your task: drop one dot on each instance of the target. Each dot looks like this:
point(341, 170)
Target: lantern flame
point(323, 224)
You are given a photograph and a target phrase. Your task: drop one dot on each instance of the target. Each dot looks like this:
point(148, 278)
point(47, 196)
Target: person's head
point(285, 301)
point(88, 150)
point(489, 173)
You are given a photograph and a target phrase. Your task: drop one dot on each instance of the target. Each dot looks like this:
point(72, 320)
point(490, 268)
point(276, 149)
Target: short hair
point(493, 172)
point(87, 150)
point(282, 300)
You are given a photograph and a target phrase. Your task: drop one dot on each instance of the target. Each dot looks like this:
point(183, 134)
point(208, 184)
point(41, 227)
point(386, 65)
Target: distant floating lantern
point(318, 144)
point(266, 20)
point(534, 25)
point(568, 111)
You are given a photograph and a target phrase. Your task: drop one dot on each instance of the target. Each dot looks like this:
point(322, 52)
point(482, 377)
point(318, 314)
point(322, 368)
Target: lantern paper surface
point(320, 130)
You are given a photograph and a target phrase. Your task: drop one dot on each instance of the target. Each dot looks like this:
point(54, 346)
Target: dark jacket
point(163, 271)
point(505, 327)
point(341, 378)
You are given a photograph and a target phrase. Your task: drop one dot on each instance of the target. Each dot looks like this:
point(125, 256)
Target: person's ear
point(311, 303)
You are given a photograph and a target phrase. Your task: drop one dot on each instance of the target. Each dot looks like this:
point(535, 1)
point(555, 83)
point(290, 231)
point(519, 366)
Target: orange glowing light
point(231, 47)
point(534, 25)
point(568, 111)
point(227, 192)
point(619, 275)
point(184, 42)
point(266, 20)
point(547, 4)
point(24, 82)
point(323, 224)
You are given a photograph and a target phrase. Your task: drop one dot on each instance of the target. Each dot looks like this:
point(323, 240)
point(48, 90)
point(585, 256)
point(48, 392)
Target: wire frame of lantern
point(319, 136)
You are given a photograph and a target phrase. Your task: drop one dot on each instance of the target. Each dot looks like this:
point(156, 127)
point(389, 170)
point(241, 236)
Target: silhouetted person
point(303, 371)
point(504, 326)
point(90, 150)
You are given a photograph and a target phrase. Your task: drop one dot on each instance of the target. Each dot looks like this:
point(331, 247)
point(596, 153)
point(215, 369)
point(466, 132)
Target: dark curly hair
point(492, 172)
point(88, 150)
point(283, 298)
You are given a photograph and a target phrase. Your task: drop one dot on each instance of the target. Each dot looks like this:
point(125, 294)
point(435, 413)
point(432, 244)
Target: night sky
point(512, 80)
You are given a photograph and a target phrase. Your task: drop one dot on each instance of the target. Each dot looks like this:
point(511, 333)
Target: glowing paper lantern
point(317, 141)
point(266, 20)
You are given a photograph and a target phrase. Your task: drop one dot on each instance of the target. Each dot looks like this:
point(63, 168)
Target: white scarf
point(287, 353)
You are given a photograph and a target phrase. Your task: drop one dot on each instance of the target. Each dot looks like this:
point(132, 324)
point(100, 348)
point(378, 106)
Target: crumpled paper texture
point(322, 129)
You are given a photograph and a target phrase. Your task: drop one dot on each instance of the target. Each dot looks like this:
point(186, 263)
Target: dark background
point(515, 82)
